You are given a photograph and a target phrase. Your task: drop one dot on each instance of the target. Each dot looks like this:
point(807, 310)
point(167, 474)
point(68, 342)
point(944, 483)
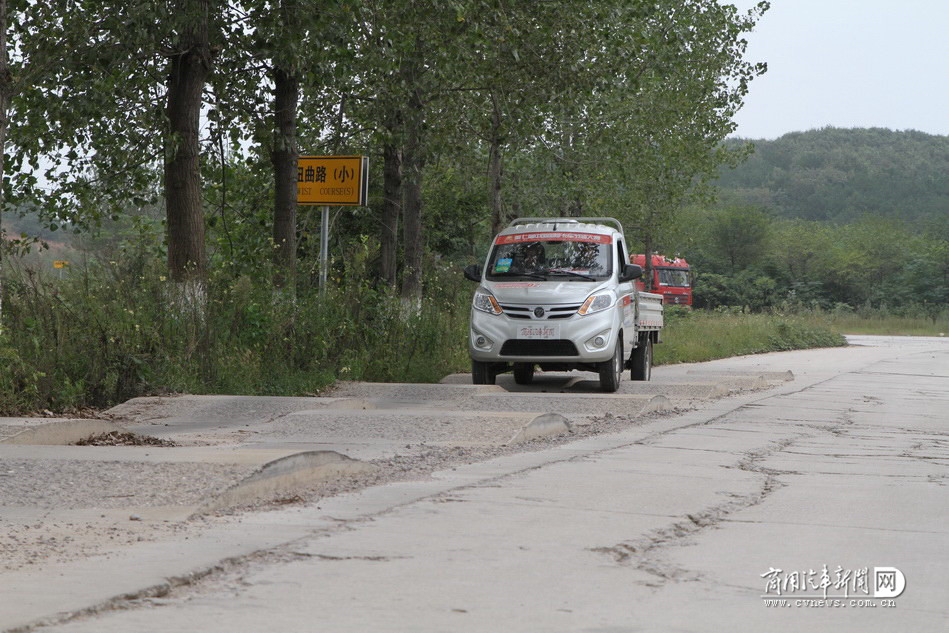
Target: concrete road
point(701, 521)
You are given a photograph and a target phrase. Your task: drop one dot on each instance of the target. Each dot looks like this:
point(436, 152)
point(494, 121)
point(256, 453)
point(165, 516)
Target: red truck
point(670, 278)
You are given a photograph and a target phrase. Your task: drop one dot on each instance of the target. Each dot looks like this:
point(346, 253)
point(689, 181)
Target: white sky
point(848, 63)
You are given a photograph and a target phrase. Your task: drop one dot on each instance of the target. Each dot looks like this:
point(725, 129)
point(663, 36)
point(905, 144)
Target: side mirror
point(473, 272)
point(630, 272)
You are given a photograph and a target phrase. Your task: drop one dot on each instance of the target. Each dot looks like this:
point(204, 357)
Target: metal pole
point(324, 247)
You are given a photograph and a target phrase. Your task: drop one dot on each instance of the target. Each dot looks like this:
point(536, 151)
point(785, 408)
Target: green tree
point(739, 235)
point(190, 59)
point(22, 66)
point(286, 96)
point(410, 63)
point(800, 247)
point(278, 78)
point(123, 105)
point(517, 65)
point(841, 174)
point(6, 88)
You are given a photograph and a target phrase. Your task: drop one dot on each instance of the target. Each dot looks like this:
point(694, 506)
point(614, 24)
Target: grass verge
point(889, 325)
point(107, 332)
point(697, 336)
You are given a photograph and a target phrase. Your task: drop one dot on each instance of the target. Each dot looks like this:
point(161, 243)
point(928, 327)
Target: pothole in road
point(123, 438)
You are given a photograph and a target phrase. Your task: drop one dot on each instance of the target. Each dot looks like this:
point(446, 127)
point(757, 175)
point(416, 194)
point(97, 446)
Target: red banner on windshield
point(555, 236)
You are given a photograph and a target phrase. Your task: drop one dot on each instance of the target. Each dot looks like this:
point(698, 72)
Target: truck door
point(625, 293)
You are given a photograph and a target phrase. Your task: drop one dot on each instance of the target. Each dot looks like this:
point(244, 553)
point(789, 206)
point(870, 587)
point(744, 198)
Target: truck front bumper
point(502, 339)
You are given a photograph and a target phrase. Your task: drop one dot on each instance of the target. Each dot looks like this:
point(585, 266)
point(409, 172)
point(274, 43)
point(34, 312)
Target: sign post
point(331, 180)
point(324, 246)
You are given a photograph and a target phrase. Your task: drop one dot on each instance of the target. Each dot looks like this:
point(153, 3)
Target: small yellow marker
point(60, 263)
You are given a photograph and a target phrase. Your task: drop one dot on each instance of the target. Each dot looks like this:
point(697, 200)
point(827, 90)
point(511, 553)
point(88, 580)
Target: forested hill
point(842, 174)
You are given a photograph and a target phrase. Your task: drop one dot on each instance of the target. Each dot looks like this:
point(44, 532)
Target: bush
point(746, 289)
point(106, 333)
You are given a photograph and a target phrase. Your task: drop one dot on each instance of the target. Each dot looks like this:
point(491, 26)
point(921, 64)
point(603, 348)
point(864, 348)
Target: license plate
point(538, 332)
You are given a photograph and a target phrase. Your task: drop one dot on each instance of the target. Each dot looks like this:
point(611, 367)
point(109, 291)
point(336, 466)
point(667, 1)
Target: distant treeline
point(826, 218)
point(842, 175)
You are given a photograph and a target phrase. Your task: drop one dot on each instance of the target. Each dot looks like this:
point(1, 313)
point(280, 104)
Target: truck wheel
point(523, 373)
point(612, 370)
point(642, 360)
point(481, 373)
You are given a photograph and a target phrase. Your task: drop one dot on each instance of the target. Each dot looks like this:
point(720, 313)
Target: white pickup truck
point(558, 293)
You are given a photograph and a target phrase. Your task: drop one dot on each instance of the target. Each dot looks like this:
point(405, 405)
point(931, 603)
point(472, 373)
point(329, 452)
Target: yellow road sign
point(333, 180)
point(60, 263)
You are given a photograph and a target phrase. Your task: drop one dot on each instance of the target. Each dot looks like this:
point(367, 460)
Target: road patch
point(545, 425)
point(285, 477)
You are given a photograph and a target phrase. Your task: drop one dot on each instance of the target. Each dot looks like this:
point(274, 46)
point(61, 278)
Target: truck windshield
point(677, 277)
point(582, 258)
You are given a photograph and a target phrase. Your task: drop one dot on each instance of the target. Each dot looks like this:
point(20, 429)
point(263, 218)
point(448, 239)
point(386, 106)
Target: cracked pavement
point(665, 526)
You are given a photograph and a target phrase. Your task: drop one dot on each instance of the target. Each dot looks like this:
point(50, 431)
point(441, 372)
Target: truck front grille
point(550, 312)
point(530, 347)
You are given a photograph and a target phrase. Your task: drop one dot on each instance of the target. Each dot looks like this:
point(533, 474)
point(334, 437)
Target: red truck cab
point(670, 278)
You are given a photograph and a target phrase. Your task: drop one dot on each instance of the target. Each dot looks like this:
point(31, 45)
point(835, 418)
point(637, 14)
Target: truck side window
point(620, 256)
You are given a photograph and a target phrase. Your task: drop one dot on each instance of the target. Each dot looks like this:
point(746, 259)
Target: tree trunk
point(498, 219)
point(647, 247)
point(6, 87)
point(413, 163)
point(284, 161)
point(391, 207)
point(412, 231)
point(187, 72)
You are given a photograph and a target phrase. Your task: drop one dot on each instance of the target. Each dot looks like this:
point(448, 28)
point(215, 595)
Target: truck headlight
point(485, 301)
point(597, 303)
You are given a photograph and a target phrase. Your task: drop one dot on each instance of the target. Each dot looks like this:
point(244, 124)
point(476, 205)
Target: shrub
point(105, 333)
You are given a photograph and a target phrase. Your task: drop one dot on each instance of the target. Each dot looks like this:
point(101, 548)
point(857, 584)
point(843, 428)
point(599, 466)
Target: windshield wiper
point(571, 273)
point(513, 274)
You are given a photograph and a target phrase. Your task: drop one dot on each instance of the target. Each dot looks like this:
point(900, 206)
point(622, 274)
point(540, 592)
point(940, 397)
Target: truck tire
point(612, 370)
point(482, 373)
point(641, 366)
point(523, 373)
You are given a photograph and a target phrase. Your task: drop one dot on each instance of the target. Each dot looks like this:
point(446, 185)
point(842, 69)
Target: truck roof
point(660, 261)
point(520, 225)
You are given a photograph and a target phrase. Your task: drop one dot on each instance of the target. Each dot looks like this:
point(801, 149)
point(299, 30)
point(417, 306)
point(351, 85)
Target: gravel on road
point(94, 484)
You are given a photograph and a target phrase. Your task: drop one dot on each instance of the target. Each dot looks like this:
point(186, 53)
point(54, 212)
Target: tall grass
point(699, 335)
point(904, 319)
point(907, 321)
point(110, 331)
